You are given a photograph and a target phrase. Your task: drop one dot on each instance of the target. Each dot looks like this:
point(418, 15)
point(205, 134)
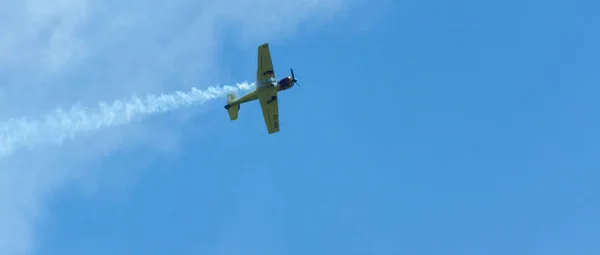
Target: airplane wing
point(267, 95)
point(270, 108)
point(265, 64)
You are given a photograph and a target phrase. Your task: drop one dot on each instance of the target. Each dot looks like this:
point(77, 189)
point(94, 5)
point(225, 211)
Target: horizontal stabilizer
point(232, 110)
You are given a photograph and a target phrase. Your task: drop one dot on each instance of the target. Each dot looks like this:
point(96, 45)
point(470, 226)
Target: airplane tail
point(232, 110)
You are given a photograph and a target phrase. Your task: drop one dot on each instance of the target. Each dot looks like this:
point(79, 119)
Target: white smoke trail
point(59, 125)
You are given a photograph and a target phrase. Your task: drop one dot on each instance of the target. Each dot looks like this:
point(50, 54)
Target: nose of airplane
point(293, 78)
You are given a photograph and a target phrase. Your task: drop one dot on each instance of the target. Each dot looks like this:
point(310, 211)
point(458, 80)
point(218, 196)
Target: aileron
point(265, 64)
point(269, 104)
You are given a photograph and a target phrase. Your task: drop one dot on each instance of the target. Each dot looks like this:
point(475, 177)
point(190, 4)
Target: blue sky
point(421, 127)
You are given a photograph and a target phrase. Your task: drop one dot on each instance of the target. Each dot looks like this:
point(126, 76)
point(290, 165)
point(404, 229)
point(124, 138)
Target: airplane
point(266, 91)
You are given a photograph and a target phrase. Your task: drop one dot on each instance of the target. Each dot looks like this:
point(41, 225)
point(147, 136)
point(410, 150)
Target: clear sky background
point(420, 127)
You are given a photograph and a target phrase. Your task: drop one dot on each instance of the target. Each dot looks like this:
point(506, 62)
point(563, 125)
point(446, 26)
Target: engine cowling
point(285, 83)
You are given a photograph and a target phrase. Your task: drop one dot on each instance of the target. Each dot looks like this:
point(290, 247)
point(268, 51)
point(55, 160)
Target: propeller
point(294, 80)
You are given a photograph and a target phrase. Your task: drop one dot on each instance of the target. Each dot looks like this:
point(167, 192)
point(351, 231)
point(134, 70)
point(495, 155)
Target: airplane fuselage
point(283, 84)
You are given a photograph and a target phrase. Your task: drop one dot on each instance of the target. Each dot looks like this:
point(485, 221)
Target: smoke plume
point(60, 125)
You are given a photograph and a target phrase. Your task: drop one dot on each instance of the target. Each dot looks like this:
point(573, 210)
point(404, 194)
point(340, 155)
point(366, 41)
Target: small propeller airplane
point(266, 91)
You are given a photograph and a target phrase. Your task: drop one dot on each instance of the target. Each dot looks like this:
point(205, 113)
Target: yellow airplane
point(266, 91)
